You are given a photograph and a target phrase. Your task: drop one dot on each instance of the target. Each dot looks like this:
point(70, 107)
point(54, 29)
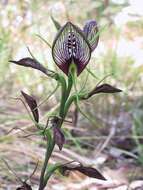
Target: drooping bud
point(103, 88)
point(32, 105)
point(88, 171)
point(59, 137)
point(25, 186)
point(29, 62)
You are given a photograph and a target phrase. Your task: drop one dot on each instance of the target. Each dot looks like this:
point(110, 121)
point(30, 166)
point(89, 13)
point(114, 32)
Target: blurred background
point(112, 140)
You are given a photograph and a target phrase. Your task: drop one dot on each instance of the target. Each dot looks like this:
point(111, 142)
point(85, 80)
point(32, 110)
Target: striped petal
point(90, 31)
point(71, 46)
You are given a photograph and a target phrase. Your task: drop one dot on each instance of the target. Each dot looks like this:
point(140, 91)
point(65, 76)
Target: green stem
point(63, 95)
point(50, 172)
point(49, 149)
point(68, 103)
point(50, 142)
point(70, 84)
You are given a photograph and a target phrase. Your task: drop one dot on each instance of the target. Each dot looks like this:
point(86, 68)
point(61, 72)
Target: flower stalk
point(71, 51)
point(65, 92)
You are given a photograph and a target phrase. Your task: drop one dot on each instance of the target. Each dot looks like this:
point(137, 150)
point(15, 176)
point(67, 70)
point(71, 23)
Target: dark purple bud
point(25, 186)
point(59, 137)
point(32, 105)
point(91, 172)
point(88, 171)
point(91, 33)
point(107, 88)
point(104, 88)
point(71, 46)
point(29, 62)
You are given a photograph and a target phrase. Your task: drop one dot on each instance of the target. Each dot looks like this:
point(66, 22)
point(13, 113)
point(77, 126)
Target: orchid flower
point(74, 46)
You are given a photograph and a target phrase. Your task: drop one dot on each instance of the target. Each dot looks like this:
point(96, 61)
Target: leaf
point(104, 88)
point(91, 33)
point(56, 23)
point(45, 41)
point(88, 171)
point(29, 62)
point(71, 46)
point(32, 105)
point(59, 137)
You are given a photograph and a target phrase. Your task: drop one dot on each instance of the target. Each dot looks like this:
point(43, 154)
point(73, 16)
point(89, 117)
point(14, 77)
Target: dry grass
point(110, 147)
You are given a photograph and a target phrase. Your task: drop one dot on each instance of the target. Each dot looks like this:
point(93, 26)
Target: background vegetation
point(113, 140)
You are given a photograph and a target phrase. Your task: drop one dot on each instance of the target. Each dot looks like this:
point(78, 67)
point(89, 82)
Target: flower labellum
point(90, 31)
point(71, 47)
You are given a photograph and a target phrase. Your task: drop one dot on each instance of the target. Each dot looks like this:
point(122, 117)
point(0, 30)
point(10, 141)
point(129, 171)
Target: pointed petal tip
point(11, 61)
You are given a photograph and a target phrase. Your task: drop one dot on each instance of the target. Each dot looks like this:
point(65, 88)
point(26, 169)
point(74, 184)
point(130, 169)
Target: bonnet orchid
point(71, 51)
point(74, 46)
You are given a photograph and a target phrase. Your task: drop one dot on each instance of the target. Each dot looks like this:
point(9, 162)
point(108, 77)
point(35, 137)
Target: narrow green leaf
point(56, 23)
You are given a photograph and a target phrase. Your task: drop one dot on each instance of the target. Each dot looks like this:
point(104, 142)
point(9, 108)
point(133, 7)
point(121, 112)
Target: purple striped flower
point(73, 45)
